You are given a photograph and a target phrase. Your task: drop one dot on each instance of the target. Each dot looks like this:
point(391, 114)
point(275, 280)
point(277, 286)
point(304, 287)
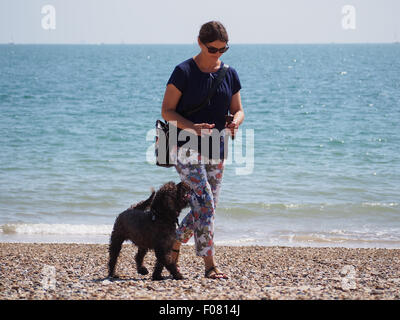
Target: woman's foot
point(214, 273)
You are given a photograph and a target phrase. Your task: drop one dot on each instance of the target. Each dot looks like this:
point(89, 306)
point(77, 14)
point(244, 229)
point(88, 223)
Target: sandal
point(214, 273)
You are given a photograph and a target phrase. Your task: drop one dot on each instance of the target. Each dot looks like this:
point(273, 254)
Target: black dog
point(151, 224)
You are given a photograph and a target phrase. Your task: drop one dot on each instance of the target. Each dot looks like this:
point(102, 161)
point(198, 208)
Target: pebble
point(255, 272)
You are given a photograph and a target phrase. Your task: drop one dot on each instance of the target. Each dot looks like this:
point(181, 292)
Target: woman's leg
point(210, 193)
point(205, 181)
point(200, 220)
point(214, 177)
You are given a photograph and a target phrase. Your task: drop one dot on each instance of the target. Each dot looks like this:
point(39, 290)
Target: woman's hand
point(203, 128)
point(232, 126)
point(236, 110)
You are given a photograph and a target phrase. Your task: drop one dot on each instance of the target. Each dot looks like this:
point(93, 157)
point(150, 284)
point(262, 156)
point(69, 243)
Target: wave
point(55, 229)
point(314, 238)
point(348, 237)
point(302, 210)
point(233, 234)
point(299, 205)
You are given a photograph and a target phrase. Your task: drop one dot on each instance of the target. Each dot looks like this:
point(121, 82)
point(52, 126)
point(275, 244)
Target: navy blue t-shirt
point(195, 86)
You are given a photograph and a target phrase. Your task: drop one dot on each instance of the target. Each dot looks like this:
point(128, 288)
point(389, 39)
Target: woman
point(188, 85)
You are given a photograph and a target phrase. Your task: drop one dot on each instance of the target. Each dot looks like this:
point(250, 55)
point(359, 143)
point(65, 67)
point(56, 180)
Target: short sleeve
point(236, 86)
point(178, 79)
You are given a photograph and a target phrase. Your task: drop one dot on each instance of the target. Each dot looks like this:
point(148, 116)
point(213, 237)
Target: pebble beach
point(79, 272)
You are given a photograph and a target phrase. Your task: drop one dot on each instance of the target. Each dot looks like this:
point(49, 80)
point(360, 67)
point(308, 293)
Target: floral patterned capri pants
point(205, 180)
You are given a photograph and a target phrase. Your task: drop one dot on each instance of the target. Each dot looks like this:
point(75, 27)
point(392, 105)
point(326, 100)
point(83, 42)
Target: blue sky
point(178, 21)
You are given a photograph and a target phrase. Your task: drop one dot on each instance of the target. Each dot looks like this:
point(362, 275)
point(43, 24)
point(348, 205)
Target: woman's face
point(217, 44)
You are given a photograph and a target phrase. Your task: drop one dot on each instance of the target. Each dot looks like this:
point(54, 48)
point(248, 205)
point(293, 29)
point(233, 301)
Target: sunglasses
point(215, 50)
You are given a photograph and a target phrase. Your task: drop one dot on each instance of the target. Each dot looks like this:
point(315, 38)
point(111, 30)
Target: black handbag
point(162, 145)
point(163, 157)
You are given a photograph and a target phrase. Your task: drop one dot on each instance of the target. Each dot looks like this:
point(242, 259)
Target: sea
point(315, 163)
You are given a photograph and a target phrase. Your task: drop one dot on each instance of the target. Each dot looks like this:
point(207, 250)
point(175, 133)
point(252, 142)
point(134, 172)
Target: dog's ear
point(170, 185)
point(182, 186)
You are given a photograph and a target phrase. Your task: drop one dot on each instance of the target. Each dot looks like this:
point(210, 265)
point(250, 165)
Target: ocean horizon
point(317, 160)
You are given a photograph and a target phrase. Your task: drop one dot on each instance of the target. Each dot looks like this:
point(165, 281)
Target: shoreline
point(10, 238)
point(70, 271)
point(230, 233)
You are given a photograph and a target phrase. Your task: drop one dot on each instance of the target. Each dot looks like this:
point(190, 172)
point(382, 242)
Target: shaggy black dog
point(151, 224)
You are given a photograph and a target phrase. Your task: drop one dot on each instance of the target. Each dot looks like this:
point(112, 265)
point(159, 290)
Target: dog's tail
point(145, 204)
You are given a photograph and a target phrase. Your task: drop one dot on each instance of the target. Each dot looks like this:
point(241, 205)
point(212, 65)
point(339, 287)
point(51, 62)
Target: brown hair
point(213, 31)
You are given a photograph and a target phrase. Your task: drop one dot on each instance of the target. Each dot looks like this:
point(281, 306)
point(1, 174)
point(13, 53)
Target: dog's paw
point(157, 277)
point(143, 271)
point(178, 276)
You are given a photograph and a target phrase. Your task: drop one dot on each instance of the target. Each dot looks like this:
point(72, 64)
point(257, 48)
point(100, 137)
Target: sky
point(179, 21)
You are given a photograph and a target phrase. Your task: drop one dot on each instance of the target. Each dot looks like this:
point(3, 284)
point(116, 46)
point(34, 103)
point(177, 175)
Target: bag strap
point(218, 81)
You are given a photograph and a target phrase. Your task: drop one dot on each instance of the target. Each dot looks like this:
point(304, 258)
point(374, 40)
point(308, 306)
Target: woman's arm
point(168, 111)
